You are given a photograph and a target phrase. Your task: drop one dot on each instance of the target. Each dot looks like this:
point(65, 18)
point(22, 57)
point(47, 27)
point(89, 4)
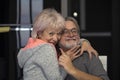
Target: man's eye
point(51, 33)
point(75, 31)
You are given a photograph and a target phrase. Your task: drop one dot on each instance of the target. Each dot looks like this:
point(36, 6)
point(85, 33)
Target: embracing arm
point(78, 50)
point(86, 46)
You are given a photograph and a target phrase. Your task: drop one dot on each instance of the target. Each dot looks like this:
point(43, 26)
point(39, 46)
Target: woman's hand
point(66, 62)
point(74, 52)
point(87, 47)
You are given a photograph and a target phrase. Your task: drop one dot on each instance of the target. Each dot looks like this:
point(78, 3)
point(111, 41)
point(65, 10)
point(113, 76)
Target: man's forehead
point(66, 28)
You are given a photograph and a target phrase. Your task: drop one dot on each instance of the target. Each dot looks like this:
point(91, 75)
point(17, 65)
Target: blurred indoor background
point(99, 22)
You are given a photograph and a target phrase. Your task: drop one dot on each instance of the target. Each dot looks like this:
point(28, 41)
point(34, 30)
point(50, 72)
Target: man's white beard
point(68, 44)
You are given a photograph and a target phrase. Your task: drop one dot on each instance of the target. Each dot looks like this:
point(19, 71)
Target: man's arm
point(92, 65)
point(79, 75)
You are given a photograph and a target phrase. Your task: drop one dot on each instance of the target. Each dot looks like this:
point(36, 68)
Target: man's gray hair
point(74, 21)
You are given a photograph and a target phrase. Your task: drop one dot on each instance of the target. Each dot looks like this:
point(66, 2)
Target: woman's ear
point(38, 35)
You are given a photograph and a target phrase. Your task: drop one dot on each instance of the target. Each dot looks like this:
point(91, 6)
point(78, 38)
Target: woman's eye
point(65, 31)
point(60, 33)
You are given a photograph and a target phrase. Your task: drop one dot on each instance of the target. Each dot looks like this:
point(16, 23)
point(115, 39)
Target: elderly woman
point(39, 58)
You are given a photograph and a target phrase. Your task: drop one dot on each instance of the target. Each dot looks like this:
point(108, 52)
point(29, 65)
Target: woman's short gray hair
point(47, 18)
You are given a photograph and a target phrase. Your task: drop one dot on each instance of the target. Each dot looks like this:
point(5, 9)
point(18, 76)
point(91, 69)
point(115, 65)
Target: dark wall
point(7, 41)
point(115, 69)
point(56, 4)
point(4, 49)
point(4, 5)
point(98, 19)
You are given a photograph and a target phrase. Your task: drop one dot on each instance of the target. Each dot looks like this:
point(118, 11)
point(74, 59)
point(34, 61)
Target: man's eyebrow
point(70, 29)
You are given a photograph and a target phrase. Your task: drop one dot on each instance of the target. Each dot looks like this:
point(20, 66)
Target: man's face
point(70, 36)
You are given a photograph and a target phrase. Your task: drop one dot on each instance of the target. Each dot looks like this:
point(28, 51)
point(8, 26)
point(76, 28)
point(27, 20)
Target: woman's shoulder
point(32, 43)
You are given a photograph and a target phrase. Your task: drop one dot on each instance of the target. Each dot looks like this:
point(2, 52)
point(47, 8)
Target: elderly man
point(83, 67)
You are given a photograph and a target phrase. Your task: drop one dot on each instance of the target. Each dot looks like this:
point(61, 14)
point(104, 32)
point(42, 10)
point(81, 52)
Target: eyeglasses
point(74, 31)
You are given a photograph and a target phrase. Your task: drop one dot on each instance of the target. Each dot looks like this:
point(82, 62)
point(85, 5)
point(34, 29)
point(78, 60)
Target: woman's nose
point(55, 37)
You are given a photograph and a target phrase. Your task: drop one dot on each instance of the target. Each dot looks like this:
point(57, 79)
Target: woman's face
point(51, 35)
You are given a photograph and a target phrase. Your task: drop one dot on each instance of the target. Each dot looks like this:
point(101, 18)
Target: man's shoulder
point(85, 57)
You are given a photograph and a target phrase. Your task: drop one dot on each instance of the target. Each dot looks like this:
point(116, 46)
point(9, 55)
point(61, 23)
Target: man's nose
point(70, 33)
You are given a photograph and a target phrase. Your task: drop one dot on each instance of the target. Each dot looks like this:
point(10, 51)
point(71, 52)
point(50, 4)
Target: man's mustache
point(71, 38)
